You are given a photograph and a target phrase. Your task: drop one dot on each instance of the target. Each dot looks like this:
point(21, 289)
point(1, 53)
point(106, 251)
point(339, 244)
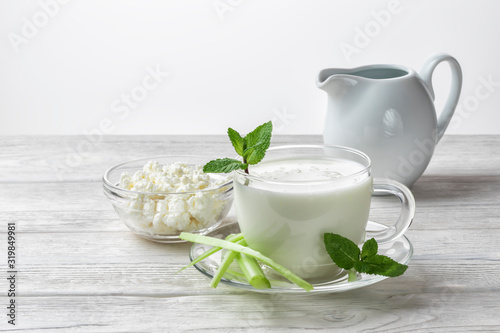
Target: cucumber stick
point(226, 261)
point(253, 273)
point(248, 251)
point(206, 254)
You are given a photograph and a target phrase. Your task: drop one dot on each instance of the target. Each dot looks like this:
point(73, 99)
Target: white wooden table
point(79, 269)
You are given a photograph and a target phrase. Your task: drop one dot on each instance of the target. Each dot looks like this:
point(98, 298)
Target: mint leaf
point(380, 265)
point(344, 252)
point(237, 141)
point(223, 165)
point(259, 135)
point(346, 255)
point(255, 154)
point(370, 248)
point(257, 142)
point(252, 148)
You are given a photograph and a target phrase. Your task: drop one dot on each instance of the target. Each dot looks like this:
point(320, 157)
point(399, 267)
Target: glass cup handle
point(387, 186)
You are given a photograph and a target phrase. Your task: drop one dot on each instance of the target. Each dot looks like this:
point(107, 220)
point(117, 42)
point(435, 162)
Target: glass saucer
point(400, 250)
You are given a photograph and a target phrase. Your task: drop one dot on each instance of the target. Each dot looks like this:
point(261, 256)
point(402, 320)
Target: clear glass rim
point(353, 151)
point(107, 183)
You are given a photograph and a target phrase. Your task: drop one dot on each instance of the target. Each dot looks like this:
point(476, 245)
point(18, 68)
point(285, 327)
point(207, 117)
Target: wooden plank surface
point(81, 270)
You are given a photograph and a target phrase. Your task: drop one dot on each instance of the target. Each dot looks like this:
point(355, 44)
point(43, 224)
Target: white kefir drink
point(287, 204)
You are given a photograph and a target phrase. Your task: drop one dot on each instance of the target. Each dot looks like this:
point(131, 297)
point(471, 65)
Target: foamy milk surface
point(287, 221)
point(305, 170)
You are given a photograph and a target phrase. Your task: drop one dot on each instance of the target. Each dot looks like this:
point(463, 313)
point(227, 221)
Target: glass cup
point(298, 193)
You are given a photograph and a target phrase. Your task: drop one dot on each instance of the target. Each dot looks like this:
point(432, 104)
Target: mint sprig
point(346, 254)
point(252, 148)
point(256, 143)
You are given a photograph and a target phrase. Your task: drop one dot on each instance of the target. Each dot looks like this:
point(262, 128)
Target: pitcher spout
point(331, 80)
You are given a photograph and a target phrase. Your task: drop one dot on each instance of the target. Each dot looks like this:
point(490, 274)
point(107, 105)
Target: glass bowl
point(161, 217)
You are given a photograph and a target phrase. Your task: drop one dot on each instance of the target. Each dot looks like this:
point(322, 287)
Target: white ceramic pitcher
point(387, 111)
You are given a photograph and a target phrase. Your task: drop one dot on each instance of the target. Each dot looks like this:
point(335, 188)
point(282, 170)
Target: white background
point(230, 62)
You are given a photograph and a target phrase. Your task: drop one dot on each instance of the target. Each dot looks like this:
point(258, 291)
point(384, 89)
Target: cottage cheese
point(183, 209)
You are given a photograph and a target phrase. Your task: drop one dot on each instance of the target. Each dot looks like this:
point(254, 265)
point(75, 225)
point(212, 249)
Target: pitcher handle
point(456, 87)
